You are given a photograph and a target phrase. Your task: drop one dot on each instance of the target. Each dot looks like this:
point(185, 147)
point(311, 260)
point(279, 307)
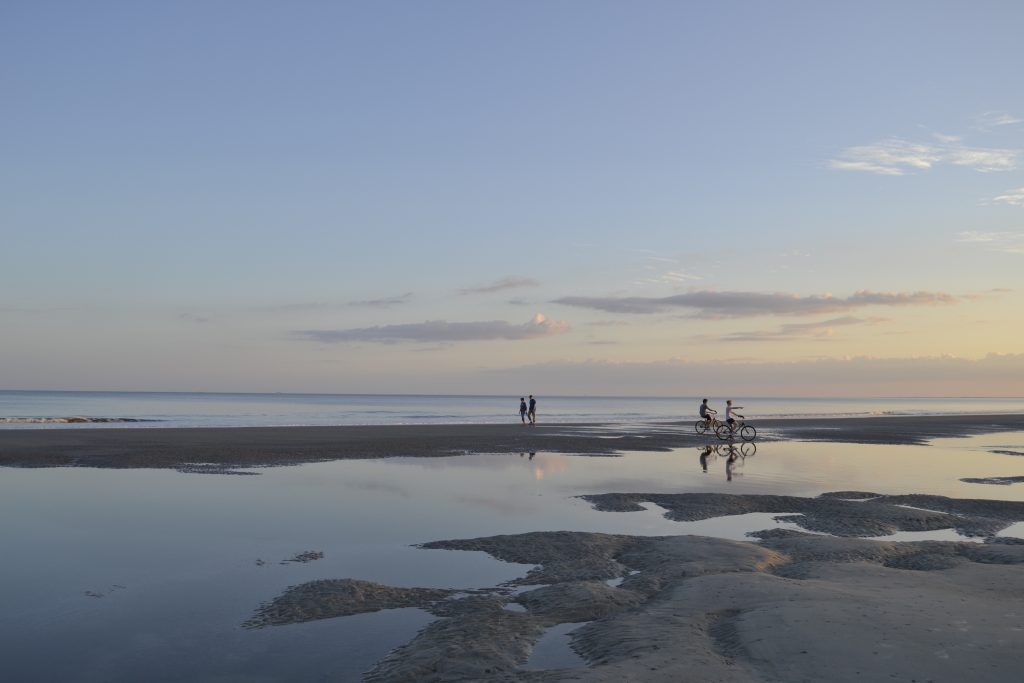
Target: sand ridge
point(841, 513)
point(692, 608)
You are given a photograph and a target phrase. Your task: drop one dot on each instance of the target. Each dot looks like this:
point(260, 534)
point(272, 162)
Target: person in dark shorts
point(706, 411)
point(522, 409)
point(533, 410)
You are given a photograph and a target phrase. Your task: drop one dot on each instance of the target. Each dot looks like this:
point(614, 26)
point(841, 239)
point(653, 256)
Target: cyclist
point(706, 412)
point(730, 410)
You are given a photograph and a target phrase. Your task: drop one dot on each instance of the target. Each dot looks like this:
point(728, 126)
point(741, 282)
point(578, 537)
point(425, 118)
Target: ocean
point(77, 409)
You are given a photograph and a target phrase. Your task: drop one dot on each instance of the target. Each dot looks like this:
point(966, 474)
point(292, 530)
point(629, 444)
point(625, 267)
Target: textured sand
point(218, 450)
point(795, 607)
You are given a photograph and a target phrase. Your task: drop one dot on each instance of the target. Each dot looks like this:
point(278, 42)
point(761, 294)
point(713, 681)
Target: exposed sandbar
point(794, 607)
point(207, 449)
point(842, 513)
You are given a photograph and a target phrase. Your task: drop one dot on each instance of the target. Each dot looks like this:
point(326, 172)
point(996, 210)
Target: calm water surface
point(148, 574)
point(49, 409)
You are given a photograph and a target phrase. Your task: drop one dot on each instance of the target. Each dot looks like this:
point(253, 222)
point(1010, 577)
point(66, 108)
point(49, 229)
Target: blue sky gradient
point(192, 194)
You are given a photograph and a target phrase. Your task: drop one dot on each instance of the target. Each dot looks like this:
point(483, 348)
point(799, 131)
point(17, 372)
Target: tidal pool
point(125, 575)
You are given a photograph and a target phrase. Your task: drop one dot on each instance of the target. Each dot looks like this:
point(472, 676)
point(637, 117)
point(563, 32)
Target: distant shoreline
point(233, 447)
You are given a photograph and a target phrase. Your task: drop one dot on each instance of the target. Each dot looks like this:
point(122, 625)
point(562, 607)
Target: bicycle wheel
point(701, 426)
point(723, 432)
point(748, 433)
point(748, 448)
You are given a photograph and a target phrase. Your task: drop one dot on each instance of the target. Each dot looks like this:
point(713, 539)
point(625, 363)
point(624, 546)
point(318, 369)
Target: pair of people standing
point(528, 412)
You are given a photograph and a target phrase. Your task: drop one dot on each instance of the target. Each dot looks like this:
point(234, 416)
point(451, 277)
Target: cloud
point(500, 285)
point(1009, 242)
point(434, 331)
point(711, 304)
point(386, 302)
point(193, 318)
point(31, 310)
point(294, 307)
point(1011, 197)
point(895, 156)
point(995, 119)
point(822, 330)
point(993, 375)
point(672, 277)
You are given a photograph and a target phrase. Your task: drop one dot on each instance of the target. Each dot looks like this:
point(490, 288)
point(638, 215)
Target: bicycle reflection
point(735, 456)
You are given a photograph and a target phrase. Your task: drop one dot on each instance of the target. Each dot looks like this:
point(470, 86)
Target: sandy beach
point(826, 598)
point(794, 607)
point(256, 446)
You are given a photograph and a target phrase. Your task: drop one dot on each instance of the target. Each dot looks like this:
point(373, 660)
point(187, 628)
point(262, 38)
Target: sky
point(570, 197)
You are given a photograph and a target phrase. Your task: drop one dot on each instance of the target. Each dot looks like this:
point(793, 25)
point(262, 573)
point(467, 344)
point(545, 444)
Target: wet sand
point(795, 606)
point(788, 606)
point(220, 449)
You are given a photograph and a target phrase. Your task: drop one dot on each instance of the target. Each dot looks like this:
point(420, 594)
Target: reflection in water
point(735, 456)
point(553, 651)
point(730, 462)
point(545, 466)
point(191, 569)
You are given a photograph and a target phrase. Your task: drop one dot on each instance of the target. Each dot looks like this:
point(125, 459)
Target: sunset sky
point(585, 197)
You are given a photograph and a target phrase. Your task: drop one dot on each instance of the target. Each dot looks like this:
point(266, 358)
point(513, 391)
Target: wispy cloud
point(672, 277)
point(821, 330)
point(1010, 242)
point(193, 318)
point(299, 307)
point(995, 119)
point(712, 304)
point(1011, 197)
point(895, 156)
point(386, 302)
point(501, 285)
point(32, 310)
point(434, 331)
point(995, 374)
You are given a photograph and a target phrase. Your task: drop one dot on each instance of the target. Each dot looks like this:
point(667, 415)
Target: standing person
point(533, 410)
point(522, 409)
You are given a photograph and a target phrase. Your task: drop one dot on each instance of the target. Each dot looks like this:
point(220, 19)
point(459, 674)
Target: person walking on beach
point(533, 410)
point(522, 409)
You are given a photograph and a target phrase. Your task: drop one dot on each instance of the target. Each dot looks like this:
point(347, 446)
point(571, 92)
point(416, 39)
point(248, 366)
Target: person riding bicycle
point(707, 412)
point(729, 412)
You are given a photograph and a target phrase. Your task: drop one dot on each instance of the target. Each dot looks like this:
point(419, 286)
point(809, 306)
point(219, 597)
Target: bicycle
point(725, 431)
point(702, 426)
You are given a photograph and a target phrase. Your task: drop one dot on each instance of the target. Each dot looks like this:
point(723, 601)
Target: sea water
point(75, 409)
point(140, 574)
